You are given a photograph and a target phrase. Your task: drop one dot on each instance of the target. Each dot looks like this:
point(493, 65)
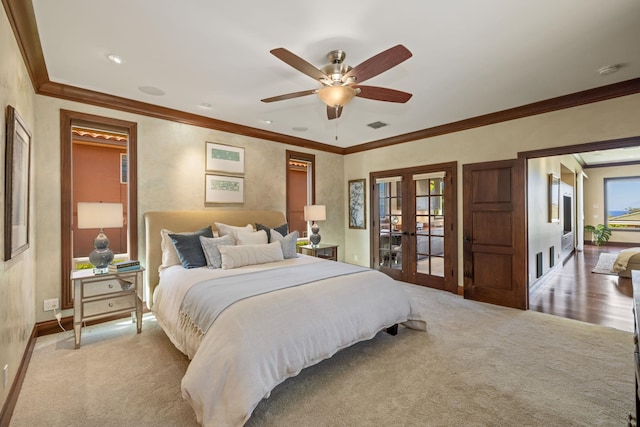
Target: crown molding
point(22, 18)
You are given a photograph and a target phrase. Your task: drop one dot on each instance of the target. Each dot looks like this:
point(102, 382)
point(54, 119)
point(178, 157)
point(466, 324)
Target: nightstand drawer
point(108, 305)
point(104, 287)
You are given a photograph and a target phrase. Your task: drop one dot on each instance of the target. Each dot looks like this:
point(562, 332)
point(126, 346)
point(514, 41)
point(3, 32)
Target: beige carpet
point(478, 365)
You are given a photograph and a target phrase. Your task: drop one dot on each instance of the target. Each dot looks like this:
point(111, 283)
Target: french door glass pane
point(429, 206)
point(390, 212)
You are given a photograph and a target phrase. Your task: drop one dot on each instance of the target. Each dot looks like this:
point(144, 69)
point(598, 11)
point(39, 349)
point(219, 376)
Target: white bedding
point(257, 343)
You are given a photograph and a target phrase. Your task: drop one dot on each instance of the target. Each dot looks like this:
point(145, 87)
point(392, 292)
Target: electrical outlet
point(5, 376)
point(51, 304)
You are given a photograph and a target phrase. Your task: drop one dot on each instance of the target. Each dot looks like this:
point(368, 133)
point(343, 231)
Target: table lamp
point(101, 216)
point(315, 213)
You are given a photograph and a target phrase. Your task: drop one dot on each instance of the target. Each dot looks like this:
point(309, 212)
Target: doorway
point(414, 219)
point(76, 129)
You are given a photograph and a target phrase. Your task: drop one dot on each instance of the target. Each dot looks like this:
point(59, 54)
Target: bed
point(297, 312)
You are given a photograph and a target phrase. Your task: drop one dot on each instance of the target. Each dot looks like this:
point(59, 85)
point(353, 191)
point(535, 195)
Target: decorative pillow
point(288, 244)
point(224, 229)
point(169, 254)
point(211, 251)
point(189, 249)
point(238, 256)
point(280, 231)
point(251, 237)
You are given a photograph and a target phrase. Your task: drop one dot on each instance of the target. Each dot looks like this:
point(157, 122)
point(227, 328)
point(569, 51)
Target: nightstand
point(321, 251)
point(102, 295)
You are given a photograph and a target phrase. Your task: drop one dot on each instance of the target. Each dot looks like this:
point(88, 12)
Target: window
point(622, 203)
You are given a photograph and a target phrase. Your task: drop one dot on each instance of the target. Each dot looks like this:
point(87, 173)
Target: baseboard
point(612, 243)
point(16, 386)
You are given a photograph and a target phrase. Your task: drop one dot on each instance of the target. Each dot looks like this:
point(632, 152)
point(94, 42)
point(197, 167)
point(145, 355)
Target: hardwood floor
point(577, 293)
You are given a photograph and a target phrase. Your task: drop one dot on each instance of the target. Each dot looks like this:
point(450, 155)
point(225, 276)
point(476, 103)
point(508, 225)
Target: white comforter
point(257, 343)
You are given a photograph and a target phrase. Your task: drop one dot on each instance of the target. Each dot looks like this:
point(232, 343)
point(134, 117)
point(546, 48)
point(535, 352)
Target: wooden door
point(494, 230)
point(414, 217)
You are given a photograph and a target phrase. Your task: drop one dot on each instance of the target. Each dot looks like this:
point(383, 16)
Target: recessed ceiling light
point(267, 122)
point(150, 90)
point(206, 105)
point(609, 69)
point(115, 58)
point(300, 128)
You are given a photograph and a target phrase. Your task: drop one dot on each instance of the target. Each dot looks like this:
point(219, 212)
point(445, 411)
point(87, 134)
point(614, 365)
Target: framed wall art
point(16, 191)
point(357, 204)
point(224, 158)
point(223, 189)
point(554, 198)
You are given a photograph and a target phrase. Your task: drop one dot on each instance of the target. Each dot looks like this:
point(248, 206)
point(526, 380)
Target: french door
point(414, 225)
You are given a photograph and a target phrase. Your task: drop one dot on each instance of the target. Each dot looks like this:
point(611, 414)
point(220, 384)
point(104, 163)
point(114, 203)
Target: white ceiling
point(469, 57)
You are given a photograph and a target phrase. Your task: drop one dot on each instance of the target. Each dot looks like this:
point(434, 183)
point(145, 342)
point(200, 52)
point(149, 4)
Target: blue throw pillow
point(189, 249)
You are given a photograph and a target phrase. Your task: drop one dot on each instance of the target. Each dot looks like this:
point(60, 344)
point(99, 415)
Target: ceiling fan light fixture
point(336, 95)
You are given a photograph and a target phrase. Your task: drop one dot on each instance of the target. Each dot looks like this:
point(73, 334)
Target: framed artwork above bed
point(223, 189)
point(224, 158)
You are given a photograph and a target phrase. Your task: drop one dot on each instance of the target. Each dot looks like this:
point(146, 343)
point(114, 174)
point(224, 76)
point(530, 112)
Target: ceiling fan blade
point(383, 94)
point(334, 112)
point(290, 95)
point(378, 64)
point(298, 63)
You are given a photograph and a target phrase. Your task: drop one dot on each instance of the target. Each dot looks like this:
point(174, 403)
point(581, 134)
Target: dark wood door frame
point(305, 157)
point(67, 120)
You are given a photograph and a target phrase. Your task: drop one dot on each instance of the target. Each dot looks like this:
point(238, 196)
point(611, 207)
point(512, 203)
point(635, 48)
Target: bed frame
point(180, 221)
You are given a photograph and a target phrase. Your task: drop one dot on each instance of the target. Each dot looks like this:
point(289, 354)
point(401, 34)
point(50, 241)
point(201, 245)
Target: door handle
point(467, 239)
point(412, 234)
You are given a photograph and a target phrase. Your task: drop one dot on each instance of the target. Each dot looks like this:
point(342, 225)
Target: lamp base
point(315, 236)
point(101, 256)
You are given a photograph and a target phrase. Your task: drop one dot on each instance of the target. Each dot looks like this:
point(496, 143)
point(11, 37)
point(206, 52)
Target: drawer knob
point(110, 304)
point(111, 285)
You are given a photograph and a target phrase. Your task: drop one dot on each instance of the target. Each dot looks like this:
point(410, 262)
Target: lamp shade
point(99, 215)
point(315, 213)
point(336, 95)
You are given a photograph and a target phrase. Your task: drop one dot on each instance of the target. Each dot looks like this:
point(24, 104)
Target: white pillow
point(224, 229)
point(238, 256)
point(251, 237)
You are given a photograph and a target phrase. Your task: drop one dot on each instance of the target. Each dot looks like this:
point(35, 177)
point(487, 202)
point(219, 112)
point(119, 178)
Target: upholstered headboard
point(180, 221)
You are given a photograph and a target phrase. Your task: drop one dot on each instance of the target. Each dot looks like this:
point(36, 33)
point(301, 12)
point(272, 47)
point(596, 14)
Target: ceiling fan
point(342, 82)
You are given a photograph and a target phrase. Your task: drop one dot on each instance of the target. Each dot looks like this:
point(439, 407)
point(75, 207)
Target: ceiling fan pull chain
point(337, 123)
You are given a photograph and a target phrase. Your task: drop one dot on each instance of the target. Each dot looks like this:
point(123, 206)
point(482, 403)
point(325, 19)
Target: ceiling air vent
point(377, 125)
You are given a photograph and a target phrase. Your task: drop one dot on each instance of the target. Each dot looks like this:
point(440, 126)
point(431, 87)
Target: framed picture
point(554, 198)
point(223, 189)
point(16, 191)
point(357, 204)
point(224, 158)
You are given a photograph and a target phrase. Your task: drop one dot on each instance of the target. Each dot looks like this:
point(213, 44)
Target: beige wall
point(616, 118)
point(543, 234)
point(17, 276)
point(594, 209)
point(171, 177)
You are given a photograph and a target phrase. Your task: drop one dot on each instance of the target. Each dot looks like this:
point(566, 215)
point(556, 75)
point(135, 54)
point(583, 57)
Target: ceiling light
point(115, 59)
point(150, 90)
point(267, 122)
point(206, 105)
point(300, 128)
point(609, 69)
point(336, 95)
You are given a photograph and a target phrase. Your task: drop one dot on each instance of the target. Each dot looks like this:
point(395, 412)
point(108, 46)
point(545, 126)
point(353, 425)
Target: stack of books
point(120, 267)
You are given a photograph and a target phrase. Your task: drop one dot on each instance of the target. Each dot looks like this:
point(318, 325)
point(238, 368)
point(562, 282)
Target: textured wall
point(17, 276)
point(616, 118)
point(171, 163)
